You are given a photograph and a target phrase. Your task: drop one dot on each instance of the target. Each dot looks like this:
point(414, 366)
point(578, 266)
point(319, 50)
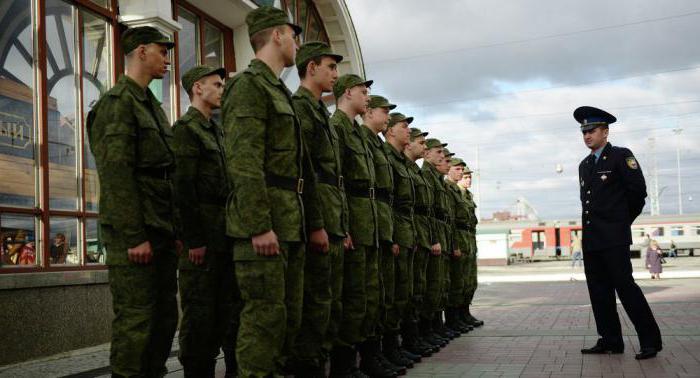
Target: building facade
point(56, 58)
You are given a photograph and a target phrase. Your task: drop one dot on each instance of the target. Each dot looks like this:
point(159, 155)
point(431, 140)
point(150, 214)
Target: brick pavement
point(533, 329)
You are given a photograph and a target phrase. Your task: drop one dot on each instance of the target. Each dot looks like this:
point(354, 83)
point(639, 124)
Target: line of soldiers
point(302, 236)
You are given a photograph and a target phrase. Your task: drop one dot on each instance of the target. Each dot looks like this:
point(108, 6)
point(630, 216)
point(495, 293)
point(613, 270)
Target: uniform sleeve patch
point(632, 163)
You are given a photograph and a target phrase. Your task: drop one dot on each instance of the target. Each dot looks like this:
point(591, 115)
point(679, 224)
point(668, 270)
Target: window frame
point(42, 211)
point(229, 56)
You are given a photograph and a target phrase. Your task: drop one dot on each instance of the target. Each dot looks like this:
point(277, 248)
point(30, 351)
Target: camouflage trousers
point(445, 278)
point(420, 270)
point(210, 304)
point(387, 276)
point(322, 306)
point(403, 307)
point(457, 280)
point(433, 288)
point(471, 272)
point(144, 304)
point(360, 295)
point(271, 295)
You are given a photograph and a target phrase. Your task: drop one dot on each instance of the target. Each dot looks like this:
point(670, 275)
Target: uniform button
point(588, 192)
point(586, 211)
point(587, 202)
point(588, 222)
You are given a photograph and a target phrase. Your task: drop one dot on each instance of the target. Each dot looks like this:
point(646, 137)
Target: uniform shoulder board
point(632, 162)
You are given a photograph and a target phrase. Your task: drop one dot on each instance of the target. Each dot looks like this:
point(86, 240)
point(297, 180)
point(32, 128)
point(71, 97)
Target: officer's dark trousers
point(145, 307)
point(272, 295)
point(609, 271)
point(207, 293)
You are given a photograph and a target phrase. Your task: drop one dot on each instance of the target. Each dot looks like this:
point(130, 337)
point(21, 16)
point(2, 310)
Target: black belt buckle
point(341, 182)
point(300, 186)
point(372, 194)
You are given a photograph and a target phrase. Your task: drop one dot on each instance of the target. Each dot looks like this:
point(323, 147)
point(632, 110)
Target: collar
point(260, 67)
point(396, 153)
point(306, 93)
point(195, 114)
point(373, 138)
point(141, 94)
point(600, 151)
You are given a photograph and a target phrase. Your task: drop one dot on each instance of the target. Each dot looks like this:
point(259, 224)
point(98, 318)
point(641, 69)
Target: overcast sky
point(504, 78)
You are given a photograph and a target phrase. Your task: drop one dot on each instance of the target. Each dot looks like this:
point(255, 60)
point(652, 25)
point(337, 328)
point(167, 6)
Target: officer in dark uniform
point(612, 196)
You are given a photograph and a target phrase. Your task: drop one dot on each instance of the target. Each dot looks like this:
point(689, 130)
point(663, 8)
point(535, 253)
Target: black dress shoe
point(646, 353)
point(601, 348)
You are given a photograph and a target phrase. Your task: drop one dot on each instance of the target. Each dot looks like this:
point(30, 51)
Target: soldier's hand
point(319, 241)
point(266, 244)
point(141, 254)
point(457, 253)
point(395, 249)
point(435, 250)
point(347, 243)
point(196, 255)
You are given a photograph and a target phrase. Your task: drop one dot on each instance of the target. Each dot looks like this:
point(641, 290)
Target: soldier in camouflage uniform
point(206, 270)
point(459, 260)
point(131, 140)
point(323, 271)
point(360, 273)
point(375, 121)
point(470, 266)
point(435, 275)
point(413, 340)
point(272, 180)
point(398, 136)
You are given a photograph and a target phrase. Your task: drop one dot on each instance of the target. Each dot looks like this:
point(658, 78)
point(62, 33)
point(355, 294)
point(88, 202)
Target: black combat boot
point(473, 321)
point(428, 334)
point(372, 363)
point(392, 352)
point(439, 327)
point(411, 341)
point(343, 360)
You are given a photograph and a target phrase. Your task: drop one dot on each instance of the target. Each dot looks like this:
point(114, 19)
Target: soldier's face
point(210, 89)
point(326, 73)
point(466, 181)
point(359, 97)
point(402, 133)
point(456, 173)
point(433, 155)
point(596, 138)
point(379, 117)
point(286, 38)
point(416, 148)
point(157, 58)
point(442, 166)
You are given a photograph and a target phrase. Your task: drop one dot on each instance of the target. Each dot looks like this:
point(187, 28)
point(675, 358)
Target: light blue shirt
point(597, 153)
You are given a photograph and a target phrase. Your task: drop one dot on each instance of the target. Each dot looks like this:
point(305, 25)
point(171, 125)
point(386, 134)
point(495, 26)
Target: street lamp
point(678, 131)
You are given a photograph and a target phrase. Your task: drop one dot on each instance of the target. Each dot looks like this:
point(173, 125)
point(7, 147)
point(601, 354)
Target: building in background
point(56, 58)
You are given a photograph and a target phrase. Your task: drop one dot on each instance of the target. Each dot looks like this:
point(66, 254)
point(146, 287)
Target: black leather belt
point(355, 191)
point(161, 173)
point(384, 195)
point(330, 179)
point(287, 183)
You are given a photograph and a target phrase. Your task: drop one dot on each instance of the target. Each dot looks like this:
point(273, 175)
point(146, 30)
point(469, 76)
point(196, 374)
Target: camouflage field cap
point(267, 17)
point(143, 35)
point(416, 132)
point(397, 117)
point(348, 81)
point(377, 101)
point(447, 153)
point(197, 72)
point(434, 143)
point(457, 161)
point(467, 170)
point(310, 50)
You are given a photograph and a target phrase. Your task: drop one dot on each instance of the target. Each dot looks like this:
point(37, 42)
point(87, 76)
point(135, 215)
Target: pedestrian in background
point(654, 259)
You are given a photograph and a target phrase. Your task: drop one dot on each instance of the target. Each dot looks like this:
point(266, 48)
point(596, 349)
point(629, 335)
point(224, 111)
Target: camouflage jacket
point(404, 198)
point(131, 140)
point(266, 159)
point(461, 218)
point(440, 216)
point(471, 205)
point(325, 156)
point(423, 207)
point(384, 187)
point(200, 181)
point(358, 170)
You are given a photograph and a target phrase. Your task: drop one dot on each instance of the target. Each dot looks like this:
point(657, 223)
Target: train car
point(549, 240)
